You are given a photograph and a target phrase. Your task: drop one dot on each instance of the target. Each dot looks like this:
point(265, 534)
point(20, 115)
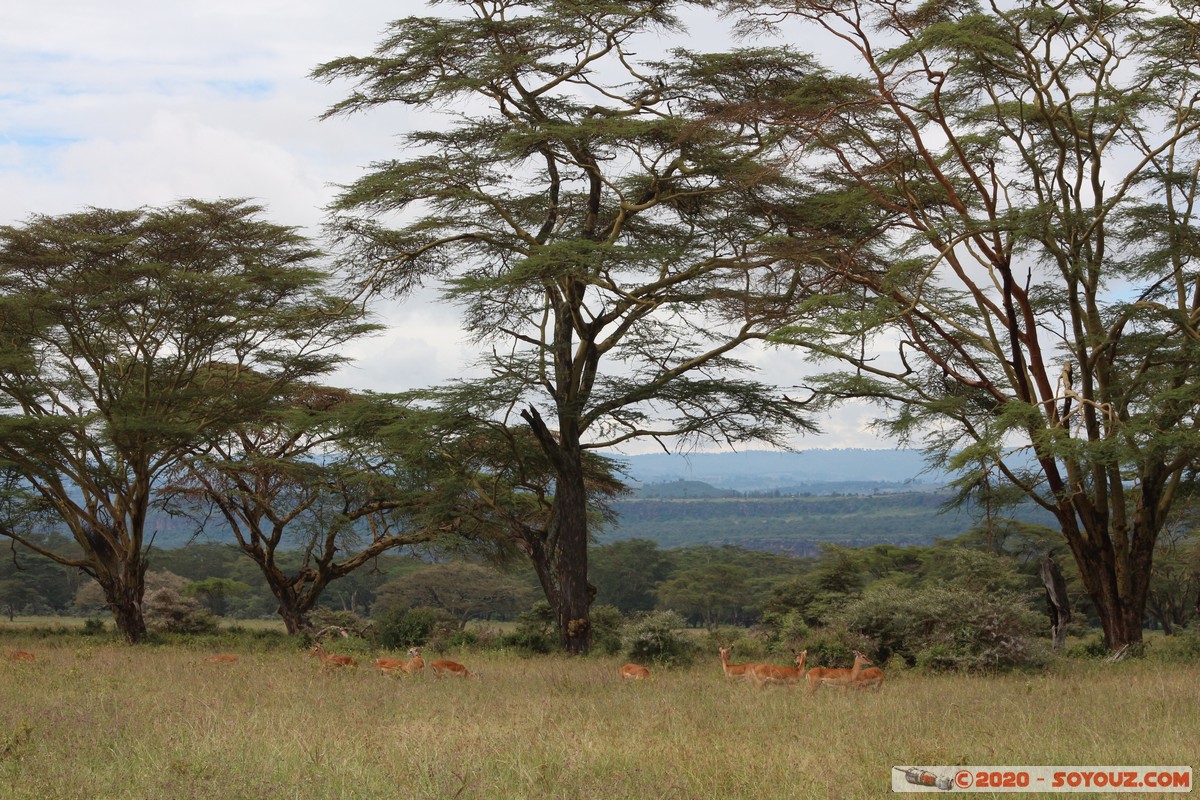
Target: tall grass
point(94, 720)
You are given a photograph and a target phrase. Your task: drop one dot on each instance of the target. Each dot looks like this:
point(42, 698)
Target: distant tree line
point(840, 599)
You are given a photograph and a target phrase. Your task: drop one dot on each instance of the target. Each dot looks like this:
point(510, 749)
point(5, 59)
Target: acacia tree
point(317, 479)
point(1030, 174)
point(591, 213)
point(129, 337)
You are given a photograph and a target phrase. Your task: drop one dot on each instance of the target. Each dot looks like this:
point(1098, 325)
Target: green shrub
point(950, 626)
point(398, 628)
point(1091, 647)
point(654, 637)
point(461, 639)
point(534, 631)
point(1182, 648)
point(834, 646)
point(607, 624)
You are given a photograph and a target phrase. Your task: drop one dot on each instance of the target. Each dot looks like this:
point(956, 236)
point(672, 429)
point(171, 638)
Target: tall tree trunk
point(123, 589)
point(571, 560)
point(1121, 608)
point(561, 559)
point(294, 620)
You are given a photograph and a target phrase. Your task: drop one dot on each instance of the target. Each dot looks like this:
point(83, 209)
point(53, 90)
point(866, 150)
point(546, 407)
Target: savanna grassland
point(95, 720)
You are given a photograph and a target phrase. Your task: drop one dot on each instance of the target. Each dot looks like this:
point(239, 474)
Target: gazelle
point(869, 679)
point(222, 658)
point(412, 666)
point(634, 672)
point(731, 670)
point(330, 661)
point(762, 674)
point(837, 676)
point(20, 655)
point(447, 667)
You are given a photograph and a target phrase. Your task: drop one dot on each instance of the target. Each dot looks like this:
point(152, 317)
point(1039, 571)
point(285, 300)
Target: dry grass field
point(94, 720)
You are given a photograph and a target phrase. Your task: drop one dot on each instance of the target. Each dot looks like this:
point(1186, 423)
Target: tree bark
point(570, 562)
point(561, 557)
point(1057, 601)
point(123, 589)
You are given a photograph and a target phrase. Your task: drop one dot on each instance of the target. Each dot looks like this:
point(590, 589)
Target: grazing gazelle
point(412, 666)
point(445, 666)
point(222, 658)
point(634, 672)
point(20, 655)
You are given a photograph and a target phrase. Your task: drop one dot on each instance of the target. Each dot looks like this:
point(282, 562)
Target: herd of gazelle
point(761, 674)
point(395, 666)
point(758, 674)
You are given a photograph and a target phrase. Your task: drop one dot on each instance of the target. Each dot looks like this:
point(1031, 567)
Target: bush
point(533, 633)
point(834, 646)
point(461, 639)
point(745, 646)
point(399, 628)
point(1091, 647)
point(168, 611)
point(785, 630)
point(654, 637)
point(607, 624)
point(950, 626)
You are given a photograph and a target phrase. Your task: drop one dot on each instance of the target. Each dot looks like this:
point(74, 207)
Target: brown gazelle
point(222, 658)
point(731, 670)
point(836, 676)
point(762, 674)
point(869, 679)
point(447, 667)
point(411, 666)
point(21, 655)
point(330, 661)
point(634, 672)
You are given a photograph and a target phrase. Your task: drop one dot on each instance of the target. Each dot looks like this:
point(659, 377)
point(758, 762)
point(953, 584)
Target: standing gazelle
point(762, 674)
point(838, 676)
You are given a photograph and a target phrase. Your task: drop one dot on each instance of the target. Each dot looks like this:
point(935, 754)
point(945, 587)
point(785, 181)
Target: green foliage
point(607, 625)
point(953, 626)
point(397, 627)
point(534, 633)
point(833, 646)
point(656, 637)
point(626, 573)
point(710, 593)
point(216, 594)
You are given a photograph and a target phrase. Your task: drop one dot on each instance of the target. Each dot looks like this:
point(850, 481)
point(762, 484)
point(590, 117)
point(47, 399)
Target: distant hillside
point(789, 502)
point(806, 471)
point(797, 525)
point(681, 490)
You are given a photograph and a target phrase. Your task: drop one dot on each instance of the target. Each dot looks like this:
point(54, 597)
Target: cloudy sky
point(131, 103)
